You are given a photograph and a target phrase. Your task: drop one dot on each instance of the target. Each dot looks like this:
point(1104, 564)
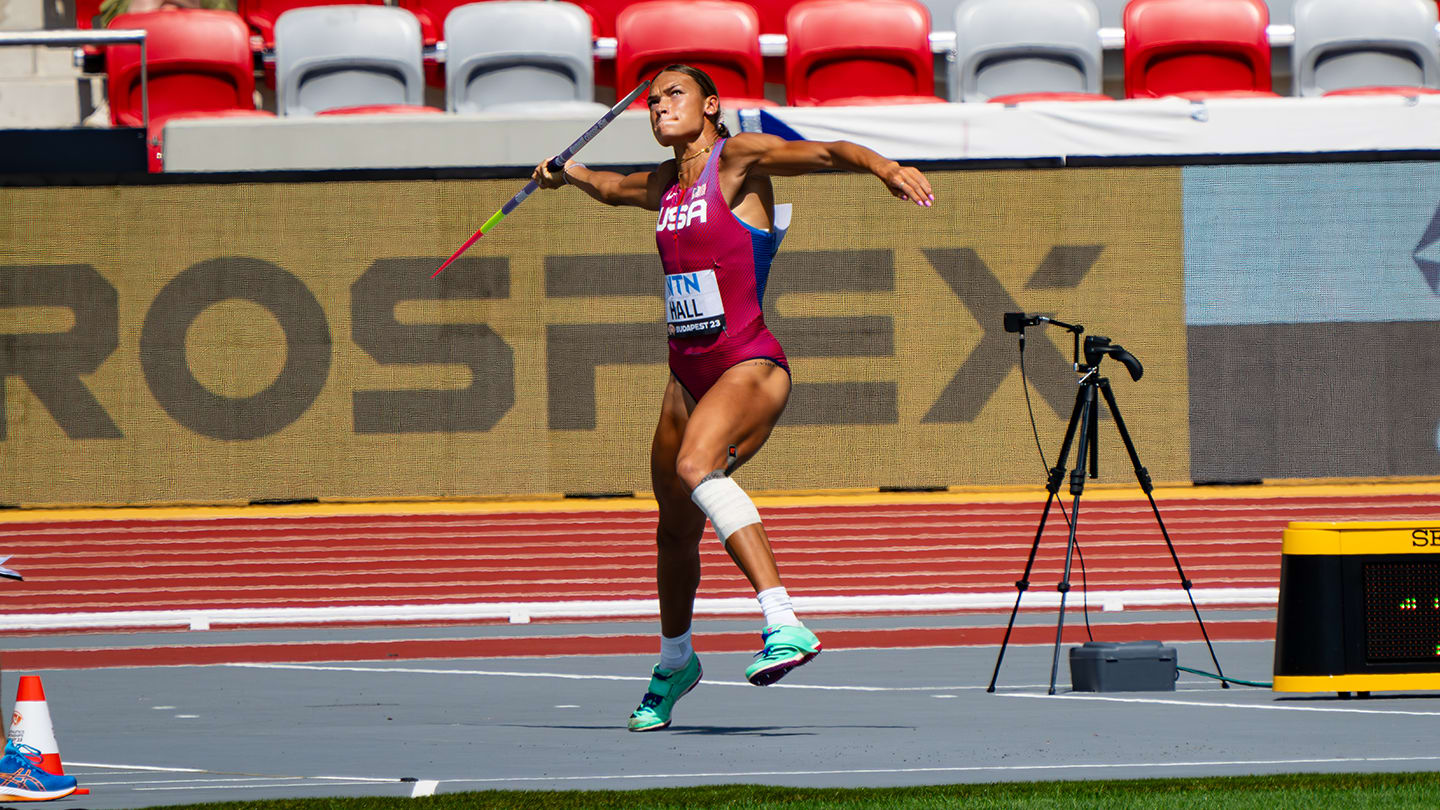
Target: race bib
point(693, 305)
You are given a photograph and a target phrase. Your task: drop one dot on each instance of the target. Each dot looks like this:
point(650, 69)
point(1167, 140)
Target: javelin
point(556, 163)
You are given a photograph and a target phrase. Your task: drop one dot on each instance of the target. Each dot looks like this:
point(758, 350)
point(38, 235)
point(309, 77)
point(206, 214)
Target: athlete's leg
point(677, 538)
point(740, 410)
point(677, 569)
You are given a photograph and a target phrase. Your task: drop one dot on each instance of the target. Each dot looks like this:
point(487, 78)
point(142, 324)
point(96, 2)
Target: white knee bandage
point(726, 504)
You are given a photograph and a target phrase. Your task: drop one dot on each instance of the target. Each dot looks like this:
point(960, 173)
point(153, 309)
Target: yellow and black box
point(1359, 607)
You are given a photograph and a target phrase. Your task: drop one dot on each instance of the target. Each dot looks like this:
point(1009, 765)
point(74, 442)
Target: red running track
point(281, 560)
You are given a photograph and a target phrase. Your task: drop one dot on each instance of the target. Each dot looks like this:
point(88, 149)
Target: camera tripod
point(1084, 425)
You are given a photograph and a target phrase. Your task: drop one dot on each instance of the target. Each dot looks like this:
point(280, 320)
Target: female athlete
point(729, 380)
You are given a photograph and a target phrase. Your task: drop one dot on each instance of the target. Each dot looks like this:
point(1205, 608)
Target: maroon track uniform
point(715, 272)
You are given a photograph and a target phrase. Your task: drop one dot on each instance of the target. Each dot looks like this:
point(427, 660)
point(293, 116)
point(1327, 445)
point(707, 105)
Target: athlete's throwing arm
point(747, 153)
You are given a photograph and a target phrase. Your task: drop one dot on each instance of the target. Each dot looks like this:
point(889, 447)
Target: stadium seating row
point(772, 13)
point(334, 59)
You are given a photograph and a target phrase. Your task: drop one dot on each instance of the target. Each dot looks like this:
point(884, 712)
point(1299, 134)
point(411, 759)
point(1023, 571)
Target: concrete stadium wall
point(40, 87)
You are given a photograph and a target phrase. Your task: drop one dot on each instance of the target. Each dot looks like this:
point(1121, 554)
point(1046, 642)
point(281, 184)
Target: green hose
point(1262, 685)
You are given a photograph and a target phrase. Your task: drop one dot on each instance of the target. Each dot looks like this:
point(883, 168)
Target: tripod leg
point(1095, 440)
point(1143, 476)
point(1057, 475)
point(1022, 585)
point(1086, 401)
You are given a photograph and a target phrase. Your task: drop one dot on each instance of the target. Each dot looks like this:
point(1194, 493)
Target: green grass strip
point(1278, 792)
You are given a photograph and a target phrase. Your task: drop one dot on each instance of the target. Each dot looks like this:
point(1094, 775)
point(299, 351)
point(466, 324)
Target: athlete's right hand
point(908, 184)
point(546, 178)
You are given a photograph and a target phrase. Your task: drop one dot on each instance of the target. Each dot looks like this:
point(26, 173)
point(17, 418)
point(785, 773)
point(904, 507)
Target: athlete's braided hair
point(707, 88)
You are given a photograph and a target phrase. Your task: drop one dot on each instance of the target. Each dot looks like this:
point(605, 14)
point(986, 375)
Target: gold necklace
point(698, 154)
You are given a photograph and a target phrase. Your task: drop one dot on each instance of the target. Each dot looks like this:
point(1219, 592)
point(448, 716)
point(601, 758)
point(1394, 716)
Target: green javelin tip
point(490, 223)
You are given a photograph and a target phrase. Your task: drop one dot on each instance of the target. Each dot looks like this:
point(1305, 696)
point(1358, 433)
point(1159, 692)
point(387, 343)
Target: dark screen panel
point(1402, 612)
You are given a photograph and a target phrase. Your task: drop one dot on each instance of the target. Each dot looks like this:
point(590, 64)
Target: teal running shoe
point(666, 687)
point(787, 646)
point(22, 780)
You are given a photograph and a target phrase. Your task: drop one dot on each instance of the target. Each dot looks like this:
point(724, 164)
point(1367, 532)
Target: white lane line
point(158, 768)
point(261, 786)
point(209, 781)
point(221, 776)
point(1208, 705)
point(634, 678)
point(952, 769)
point(570, 676)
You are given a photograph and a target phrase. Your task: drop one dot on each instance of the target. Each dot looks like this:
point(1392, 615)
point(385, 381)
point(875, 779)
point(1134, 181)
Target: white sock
point(776, 604)
point(675, 652)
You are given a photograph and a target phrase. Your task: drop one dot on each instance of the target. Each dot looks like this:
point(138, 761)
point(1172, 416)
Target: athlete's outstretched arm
point(640, 189)
point(775, 156)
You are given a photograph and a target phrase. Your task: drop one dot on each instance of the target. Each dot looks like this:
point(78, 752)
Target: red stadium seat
point(859, 52)
point(1196, 47)
point(721, 37)
point(262, 14)
point(199, 63)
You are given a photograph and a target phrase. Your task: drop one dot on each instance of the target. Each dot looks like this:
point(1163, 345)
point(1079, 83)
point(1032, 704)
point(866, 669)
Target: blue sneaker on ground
point(21, 780)
point(666, 687)
point(786, 647)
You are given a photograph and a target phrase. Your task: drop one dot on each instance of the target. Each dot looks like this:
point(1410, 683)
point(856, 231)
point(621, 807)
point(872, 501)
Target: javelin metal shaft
point(555, 164)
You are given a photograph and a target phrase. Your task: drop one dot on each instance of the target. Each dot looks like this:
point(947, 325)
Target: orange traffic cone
point(30, 725)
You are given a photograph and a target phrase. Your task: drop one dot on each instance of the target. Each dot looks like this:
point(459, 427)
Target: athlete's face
point(678, 108)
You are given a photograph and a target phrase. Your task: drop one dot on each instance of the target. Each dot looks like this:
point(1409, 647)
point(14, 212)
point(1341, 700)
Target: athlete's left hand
point(907, 183)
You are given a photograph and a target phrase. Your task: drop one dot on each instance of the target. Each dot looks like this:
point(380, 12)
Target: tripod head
point(1096, 348)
